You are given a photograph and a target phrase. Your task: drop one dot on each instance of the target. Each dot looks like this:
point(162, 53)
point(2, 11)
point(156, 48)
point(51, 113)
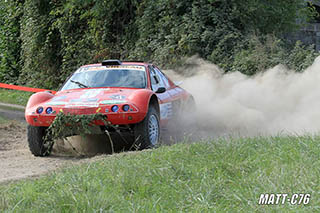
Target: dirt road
point(16, 161)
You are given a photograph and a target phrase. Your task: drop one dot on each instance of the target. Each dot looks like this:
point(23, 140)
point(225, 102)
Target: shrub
point(301, 57)
point(258, 53)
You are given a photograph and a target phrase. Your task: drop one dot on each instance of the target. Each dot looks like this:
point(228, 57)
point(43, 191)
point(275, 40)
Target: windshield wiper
point(79, 84)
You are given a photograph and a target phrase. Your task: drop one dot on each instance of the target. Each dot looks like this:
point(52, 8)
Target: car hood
point(91, 97)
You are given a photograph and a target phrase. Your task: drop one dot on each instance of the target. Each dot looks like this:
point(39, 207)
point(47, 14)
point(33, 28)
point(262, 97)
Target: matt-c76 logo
point(275, 199)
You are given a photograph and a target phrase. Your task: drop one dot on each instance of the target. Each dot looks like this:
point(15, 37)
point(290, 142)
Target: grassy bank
point(222, 175)
point(2, 120)
point(14, 97)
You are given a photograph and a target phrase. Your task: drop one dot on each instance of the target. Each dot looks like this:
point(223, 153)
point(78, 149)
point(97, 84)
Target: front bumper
point(115, 118)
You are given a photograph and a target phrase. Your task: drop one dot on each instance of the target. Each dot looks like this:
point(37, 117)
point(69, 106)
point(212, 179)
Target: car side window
point(156, 80)
point(163, 78)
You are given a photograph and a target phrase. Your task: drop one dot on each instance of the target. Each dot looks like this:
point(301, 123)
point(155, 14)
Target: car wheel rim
point(153, 126)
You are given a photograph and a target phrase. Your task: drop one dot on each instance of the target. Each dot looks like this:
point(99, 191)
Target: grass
point(216, 176)
point(14, 97)
point(3, 120)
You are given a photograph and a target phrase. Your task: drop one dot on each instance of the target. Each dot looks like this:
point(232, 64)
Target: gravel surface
point(17, 162)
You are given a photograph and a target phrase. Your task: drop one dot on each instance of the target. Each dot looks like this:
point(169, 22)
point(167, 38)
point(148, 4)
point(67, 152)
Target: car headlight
point(40, 110)
point(49, 110)
point(114, 108)
point(125, 107)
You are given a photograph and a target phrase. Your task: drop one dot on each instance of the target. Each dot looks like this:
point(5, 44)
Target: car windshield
point(110, 76)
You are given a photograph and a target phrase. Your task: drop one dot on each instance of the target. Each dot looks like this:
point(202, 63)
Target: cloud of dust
point(277, 101)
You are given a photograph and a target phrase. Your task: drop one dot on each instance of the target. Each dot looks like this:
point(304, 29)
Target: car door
point(178, 96)
point(164, 98)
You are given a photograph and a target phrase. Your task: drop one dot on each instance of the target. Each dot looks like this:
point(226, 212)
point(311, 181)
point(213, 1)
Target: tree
point(10, 43)
point(41, 45)
point(43, 41)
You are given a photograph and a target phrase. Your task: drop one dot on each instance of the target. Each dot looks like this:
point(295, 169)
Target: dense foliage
point(43, 41)
point(10, 43)
point(65, 125)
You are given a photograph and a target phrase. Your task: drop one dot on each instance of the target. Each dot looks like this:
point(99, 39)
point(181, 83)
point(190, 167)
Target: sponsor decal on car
point(141, 68)
point(92, 93)
point(94, 68)
point(112, 102)
point(82, 105)
point(166, 110)
point(79, 100)
point(86, 69)
point(113, 67)
point(118, 97)
point(56, 103)
point(58, 98)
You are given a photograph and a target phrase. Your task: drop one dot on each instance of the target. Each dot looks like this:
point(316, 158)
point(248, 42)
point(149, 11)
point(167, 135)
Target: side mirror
point(161, 90)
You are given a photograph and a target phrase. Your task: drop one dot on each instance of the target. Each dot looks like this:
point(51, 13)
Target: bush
point(301, 57)
point(258, 53)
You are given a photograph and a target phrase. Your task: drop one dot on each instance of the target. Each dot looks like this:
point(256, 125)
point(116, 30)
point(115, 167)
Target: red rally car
point(132, 95)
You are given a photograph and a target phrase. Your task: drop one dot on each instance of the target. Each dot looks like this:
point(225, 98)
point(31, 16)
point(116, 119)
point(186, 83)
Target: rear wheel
point(36, 140)
point(147, 132)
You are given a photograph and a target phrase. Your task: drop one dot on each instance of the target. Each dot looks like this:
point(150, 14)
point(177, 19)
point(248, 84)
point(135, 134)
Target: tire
point(37, 144)
point(147, 132)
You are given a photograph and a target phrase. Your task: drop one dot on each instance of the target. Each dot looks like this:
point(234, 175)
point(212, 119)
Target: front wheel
point(36, 140)
point(147, 132)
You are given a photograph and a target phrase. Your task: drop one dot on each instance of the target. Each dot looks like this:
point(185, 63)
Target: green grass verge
point(222, 175)
point(2, 120)
point(14, 97)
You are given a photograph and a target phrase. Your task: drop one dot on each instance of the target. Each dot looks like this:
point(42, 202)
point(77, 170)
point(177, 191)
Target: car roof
point(123, 63)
